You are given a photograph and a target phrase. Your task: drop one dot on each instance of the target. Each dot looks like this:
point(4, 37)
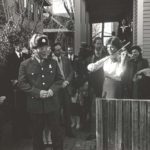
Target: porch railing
point(122, 124)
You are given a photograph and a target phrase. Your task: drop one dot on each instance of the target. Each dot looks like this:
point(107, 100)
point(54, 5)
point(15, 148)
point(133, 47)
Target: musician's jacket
point(34, 77)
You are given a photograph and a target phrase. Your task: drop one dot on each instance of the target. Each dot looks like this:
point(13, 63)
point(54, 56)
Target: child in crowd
point(47, 137)
point(78, 108)
point(75, 110)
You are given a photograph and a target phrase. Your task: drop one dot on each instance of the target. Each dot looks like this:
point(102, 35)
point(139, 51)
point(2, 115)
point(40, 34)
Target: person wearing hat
point(40, 79)
point(64, 93)
point(135, 64)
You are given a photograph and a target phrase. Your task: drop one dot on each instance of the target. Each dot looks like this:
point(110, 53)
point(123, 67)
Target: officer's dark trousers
point(4, 116)
point(21, 119)
point(38, 124)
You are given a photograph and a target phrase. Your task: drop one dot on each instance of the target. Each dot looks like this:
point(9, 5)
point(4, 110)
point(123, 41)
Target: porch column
point(82, 26)
point(77, 38)
point(140, 23)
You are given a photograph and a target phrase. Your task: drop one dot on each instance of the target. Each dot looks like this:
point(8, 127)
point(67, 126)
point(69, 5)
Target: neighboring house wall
point(33, 20)
point(140, 23)
point(141, 26)
point(146, 29)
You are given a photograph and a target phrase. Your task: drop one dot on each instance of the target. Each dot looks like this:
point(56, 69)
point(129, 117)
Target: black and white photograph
point(74, 74)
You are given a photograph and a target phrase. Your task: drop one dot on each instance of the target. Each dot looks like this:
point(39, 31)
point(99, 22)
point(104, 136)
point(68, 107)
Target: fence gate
point(122, 124)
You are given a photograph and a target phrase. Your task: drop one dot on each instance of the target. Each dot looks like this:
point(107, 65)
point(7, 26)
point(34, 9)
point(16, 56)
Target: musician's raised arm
point(97, 65)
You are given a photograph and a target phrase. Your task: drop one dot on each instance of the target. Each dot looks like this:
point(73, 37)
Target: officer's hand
point(43, 94)
point(50, 93)
point(65, 83)
point(2, 98)
point(14, 82)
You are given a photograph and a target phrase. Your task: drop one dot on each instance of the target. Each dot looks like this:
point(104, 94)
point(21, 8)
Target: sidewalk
point(78, 143)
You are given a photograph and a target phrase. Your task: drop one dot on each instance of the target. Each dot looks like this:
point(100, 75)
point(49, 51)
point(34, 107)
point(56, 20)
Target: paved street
point(78, 143)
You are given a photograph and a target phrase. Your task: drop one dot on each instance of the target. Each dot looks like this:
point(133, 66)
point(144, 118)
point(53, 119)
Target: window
point(103, 30)
point(107, 32)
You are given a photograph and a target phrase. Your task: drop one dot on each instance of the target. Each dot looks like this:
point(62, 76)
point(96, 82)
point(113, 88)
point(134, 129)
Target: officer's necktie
point(58, 59)
point(60, 66)
point(41, 62)
point(20, 55)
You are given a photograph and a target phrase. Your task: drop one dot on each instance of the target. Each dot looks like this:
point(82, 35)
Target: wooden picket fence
point(122, 124)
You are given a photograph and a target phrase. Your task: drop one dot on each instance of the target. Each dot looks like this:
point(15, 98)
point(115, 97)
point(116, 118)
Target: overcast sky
point(58, 6)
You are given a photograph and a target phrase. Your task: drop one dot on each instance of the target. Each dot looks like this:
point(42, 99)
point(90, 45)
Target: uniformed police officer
point(40, 78)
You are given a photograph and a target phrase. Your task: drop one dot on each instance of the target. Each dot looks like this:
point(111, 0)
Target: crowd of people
point(44, 90)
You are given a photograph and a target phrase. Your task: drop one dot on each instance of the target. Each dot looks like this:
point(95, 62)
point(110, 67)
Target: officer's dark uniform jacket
point(34, 77)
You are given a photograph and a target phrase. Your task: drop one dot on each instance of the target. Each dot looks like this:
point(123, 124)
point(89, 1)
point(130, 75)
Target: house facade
point(88, 12)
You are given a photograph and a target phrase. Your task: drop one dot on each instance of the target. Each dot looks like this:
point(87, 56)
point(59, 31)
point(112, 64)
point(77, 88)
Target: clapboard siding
point(146, 42)
point(146, 29)
point(146, 35)
point(146, 15)
point(146, 1)
point(146, 23)
point(146, 8)
point(146, 48)
point(146, 5)
point(146, 19)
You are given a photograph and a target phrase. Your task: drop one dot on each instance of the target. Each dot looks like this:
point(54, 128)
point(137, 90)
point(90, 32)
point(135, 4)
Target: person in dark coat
point(21, 118)
point(95, 80)
point(40, 79)
point(13, 62)
point(72, 57)
point(135, 64)
point(5, 97)
point(64, 93)
point(142, 79)
point(74, 63)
